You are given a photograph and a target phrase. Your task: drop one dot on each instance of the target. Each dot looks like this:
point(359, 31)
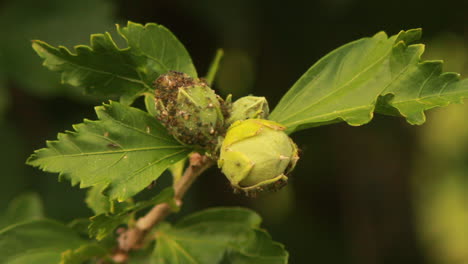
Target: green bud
point(190, 109)
point(257, 155)
point(249, 107)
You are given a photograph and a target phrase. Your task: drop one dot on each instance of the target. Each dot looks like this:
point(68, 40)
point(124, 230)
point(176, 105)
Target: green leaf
point(104, 224)
point(430, 86)
point(99, 203)
point(125, 150)
point(141, 256)
point(218, 235)
point(162, 50)
point(150, 104)
point(80, 225)
point(102, 68)
point(40, 241)
point(46, 241)
point(92, 250)
point(105, 69)
point(84, 253)
point(177, 169)
point(25, 207)
point(379, 74)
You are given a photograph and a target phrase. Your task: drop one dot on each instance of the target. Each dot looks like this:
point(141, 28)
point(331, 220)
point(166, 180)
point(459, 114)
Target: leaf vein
point(339, 88)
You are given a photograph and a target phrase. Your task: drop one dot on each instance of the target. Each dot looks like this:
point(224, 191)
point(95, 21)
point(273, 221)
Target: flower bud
point(189, 109)
point(248, 107)
point(257, 155)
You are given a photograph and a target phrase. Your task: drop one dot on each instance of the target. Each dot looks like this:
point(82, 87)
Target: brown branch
point(133, 238)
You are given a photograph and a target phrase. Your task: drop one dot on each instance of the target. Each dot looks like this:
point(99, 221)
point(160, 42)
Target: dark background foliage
point(358, 193)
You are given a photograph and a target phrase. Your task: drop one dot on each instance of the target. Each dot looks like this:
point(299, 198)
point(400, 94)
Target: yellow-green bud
point(257, 155)
point(248, 107)
point(189, 109)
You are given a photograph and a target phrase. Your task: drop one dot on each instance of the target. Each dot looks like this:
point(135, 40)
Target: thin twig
point(132, 238)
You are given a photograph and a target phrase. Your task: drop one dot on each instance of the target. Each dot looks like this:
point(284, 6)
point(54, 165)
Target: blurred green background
point(386, 192)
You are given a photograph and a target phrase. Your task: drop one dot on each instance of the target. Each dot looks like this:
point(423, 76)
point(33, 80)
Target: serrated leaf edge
point(145, 27)
point(38, 46)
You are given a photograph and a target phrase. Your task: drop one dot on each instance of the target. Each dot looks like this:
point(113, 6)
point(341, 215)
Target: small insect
point(112, 145)
point(151, 185)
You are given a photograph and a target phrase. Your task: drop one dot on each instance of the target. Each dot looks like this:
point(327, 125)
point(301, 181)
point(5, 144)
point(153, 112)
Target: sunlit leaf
point(97, 201)
point(163, 51)
point(107, 70)
point(177, 169)
point(101, 204)
point(102, 68)
point(125, 150)
point(377, 74)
